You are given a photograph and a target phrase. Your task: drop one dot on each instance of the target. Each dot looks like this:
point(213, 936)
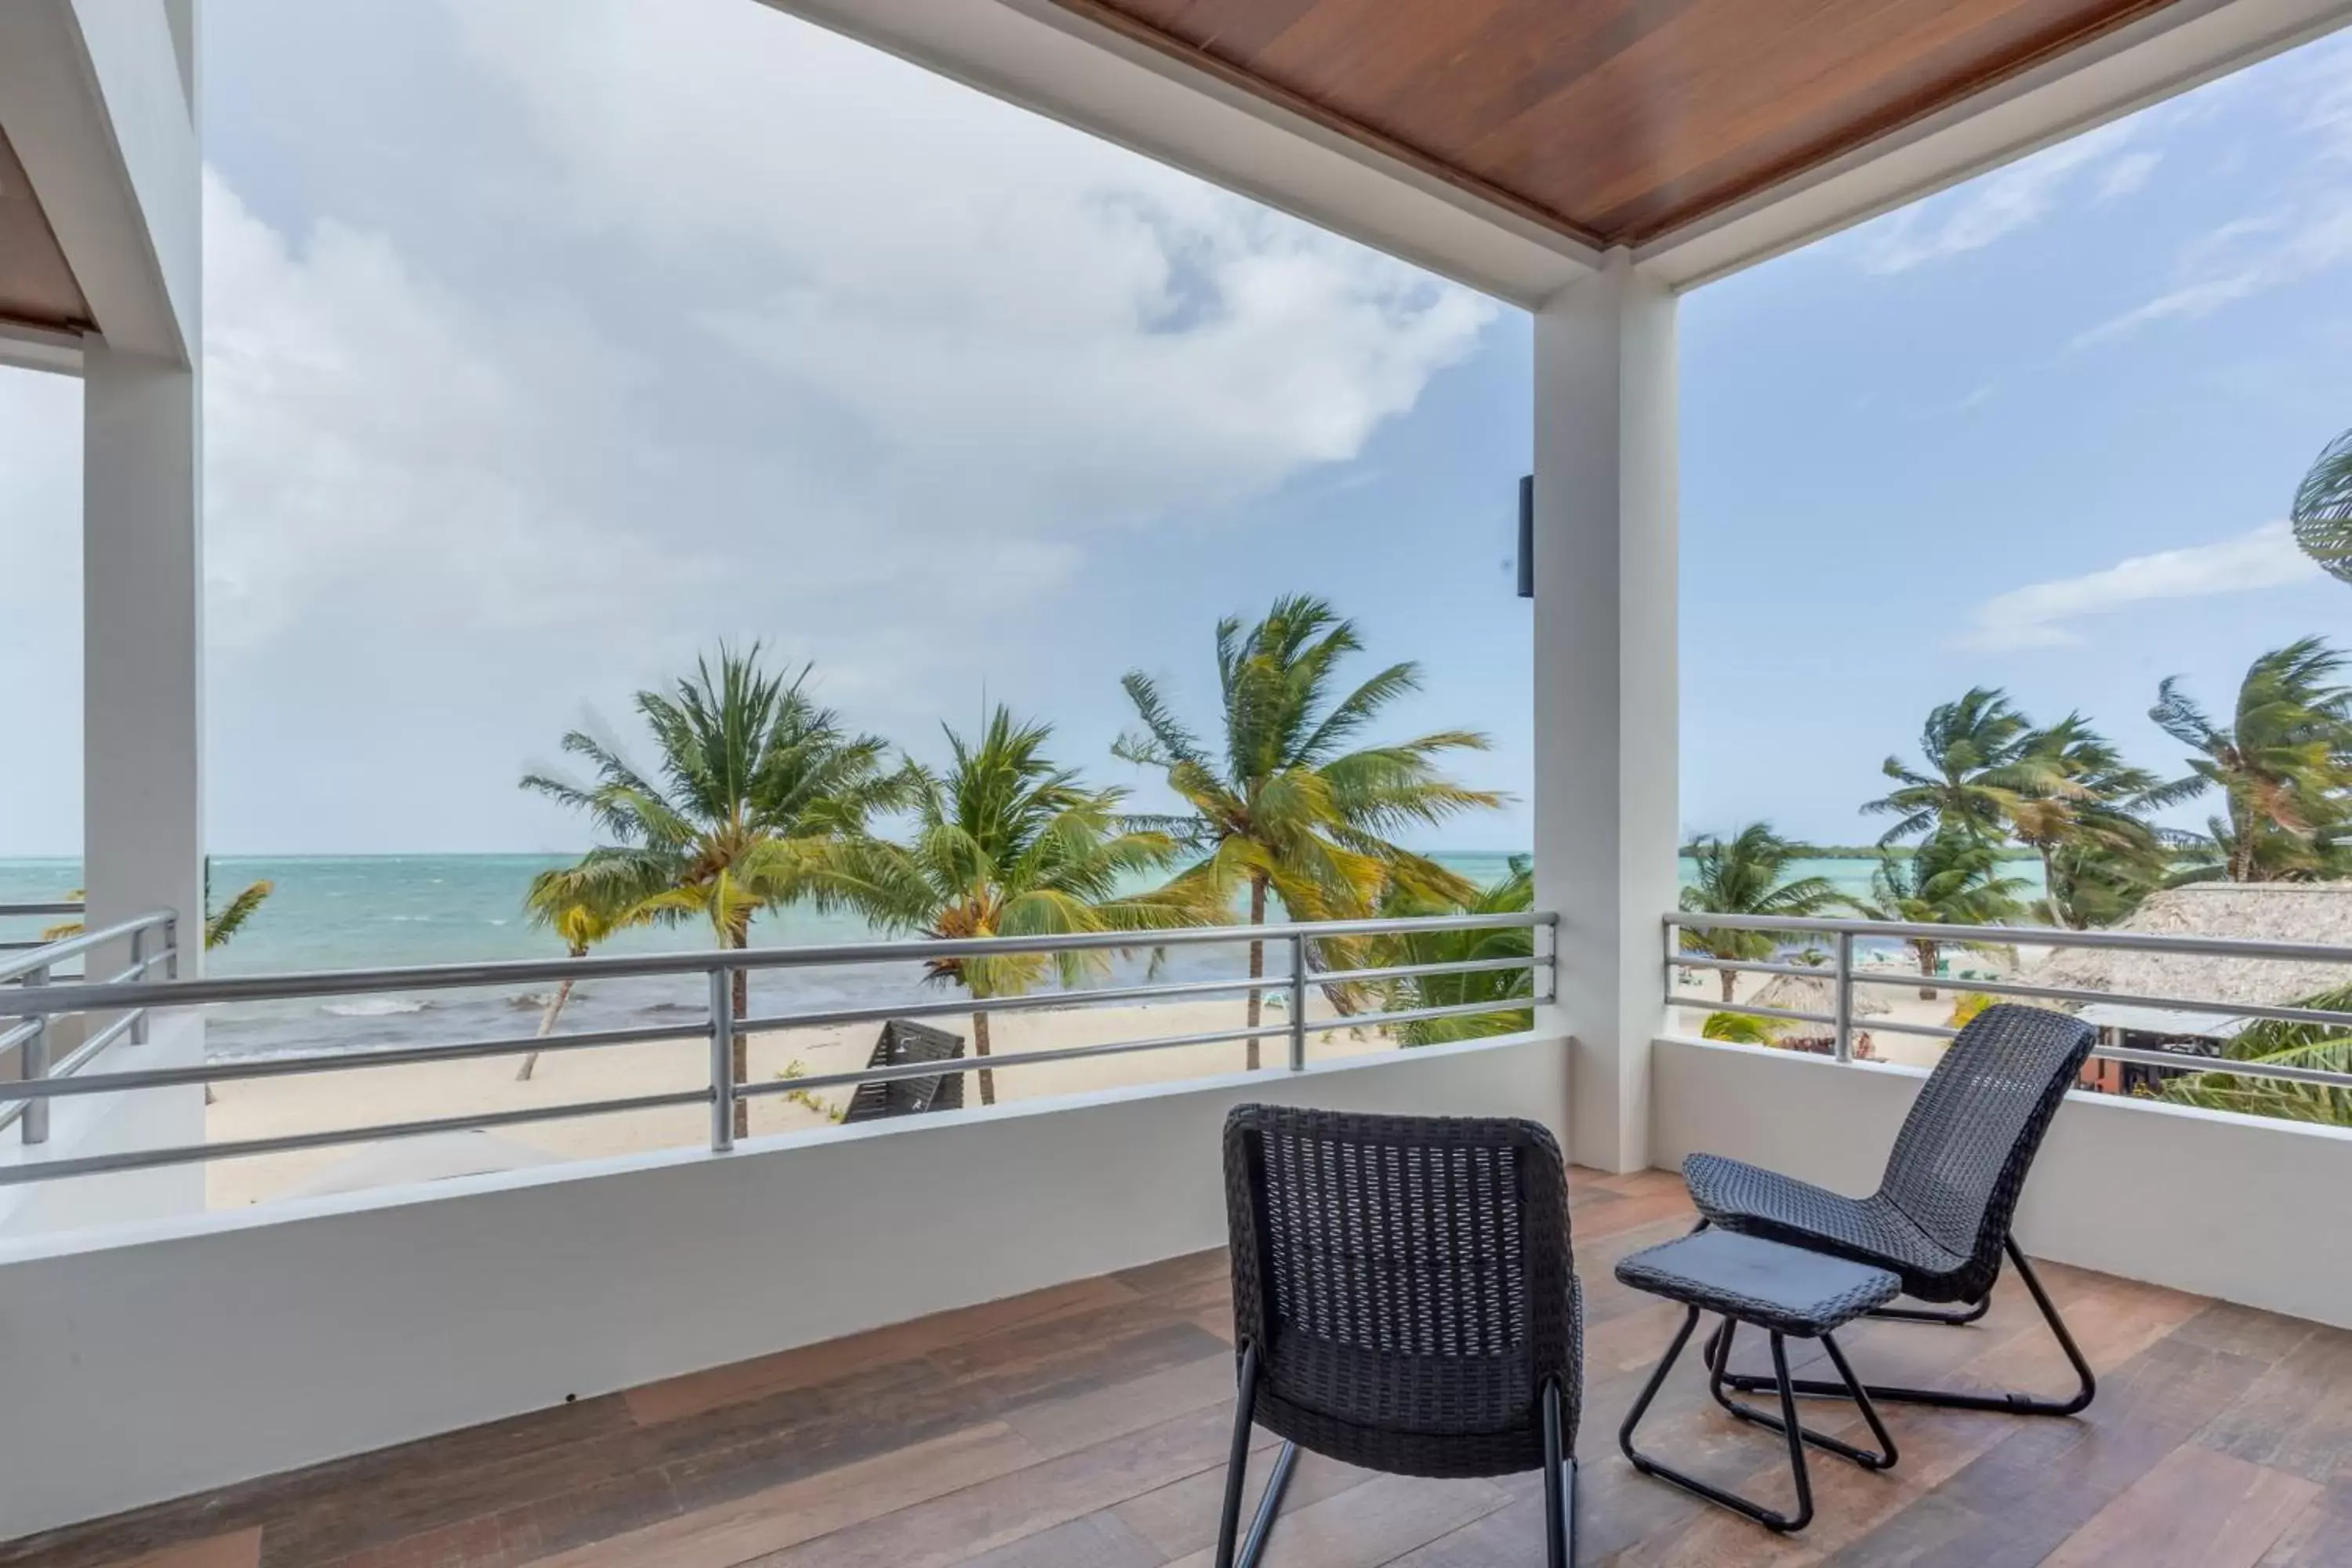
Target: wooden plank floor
point(1085, 1426)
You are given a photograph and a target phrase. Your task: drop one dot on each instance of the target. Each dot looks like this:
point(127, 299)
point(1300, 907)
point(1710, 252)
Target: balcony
point(993, 1333)
point(1086, 1425)
point(1001, 1334)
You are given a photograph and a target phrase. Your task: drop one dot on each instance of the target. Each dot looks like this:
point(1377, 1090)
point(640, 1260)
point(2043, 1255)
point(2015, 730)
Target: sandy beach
point(272, 1107)
point(362, 1095)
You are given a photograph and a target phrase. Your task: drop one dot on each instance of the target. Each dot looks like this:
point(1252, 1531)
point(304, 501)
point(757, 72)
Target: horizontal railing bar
point(1895, 1027)
point(188, 1154)
point(1416, 1014)
point(511, 972)
point(1408, 971)
point(1754, 1009)
point(28, 1090)
point(74, 946)
point(1743, 966)
point(1033, 1000)
point(18, 1034)
point(2027, 936)
point(2321, 1016)
point(1020, 1058)
point(2321, 1076)
point(232, 1071)
point(54, 907)
point(2125, 1054)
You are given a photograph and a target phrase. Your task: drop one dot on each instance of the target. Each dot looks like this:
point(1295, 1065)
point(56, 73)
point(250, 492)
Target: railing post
point(34, 1061)
point(172, 947)
point(138, 974)
point(722, 1059)
point(1297, 1002)
point(1844, 1006)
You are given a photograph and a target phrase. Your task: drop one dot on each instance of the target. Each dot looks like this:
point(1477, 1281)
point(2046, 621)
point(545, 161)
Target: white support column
point(142, 644)
point(1607, 719)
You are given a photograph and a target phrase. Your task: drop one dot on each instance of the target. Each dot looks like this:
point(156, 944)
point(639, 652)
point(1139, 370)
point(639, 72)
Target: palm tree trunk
point(2058, 914)
point(742, 1053)
point(1256, 960)
point(1728, 980)
point(1928, 951)
point(980, 1048)
point(547, 1017)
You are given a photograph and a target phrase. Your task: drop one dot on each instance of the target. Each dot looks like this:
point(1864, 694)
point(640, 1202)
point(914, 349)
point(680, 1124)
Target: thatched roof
point(1802, 993)
point(2261, 911)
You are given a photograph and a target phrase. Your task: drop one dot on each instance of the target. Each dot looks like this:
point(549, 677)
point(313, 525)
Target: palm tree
point(1974, 750)
point(1288, 811)
point(2323, 509)
point(1954, 879)
point(1515, 894)
point(582, 921)
point(220, 924)
point(1746, 874)
point(1007, 844)
point(2082, 810)
point(757, 791)
point(2283, 763)
point(2273, 1043)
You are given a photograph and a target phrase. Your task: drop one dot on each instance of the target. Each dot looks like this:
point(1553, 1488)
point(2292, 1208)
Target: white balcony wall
point(184, 1355)
point(2228, 1206)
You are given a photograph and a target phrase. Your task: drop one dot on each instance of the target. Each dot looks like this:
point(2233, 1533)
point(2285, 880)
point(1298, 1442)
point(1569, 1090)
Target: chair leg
point(1559, 1484)
point(2010, 1403)
point(1766, 1516)
point(1882, 1459)
point(1236, 1474)
point(1960, 1319)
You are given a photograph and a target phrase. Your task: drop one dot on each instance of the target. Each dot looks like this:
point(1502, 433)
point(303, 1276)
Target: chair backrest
point(1961, 1158)
point(1403, 1274)
point(901, 1043)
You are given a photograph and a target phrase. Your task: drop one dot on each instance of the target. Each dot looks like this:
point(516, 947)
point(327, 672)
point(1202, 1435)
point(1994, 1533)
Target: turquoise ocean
point(388, 911)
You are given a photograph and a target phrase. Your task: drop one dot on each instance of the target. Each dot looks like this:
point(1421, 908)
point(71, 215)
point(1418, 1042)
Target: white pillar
point(1607, 717)
point(142, 644)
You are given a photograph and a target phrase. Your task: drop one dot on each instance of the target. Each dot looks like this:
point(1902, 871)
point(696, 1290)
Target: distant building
point(2256, 911)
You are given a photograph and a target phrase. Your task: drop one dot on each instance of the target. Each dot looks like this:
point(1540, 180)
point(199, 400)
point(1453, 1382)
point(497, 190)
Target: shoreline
point(359, 1095)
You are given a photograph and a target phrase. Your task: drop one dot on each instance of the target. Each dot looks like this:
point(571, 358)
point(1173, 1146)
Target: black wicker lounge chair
point(1403, 1299)
point(1941, 1218)
point(901, 1043)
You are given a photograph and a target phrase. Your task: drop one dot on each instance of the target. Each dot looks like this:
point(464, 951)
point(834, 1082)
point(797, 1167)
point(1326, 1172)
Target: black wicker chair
point(1404, 1299)
point(1941, 1218)
point(901, 1043)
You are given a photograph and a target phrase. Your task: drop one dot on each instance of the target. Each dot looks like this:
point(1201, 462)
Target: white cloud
point(2241, 260)
point(2042, 615)
point(2127, 175)
point(1995, 205)
point(1083, 335)
point(2300, 222)
point(367, 427)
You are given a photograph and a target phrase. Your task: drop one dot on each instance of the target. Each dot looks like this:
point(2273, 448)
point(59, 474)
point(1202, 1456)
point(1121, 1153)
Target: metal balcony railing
point(1843, 975)
point(28, 978)
point(723, 1028)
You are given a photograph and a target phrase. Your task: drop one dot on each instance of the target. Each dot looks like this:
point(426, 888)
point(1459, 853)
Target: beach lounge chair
point(900, 1044)
point(1404, 1301)
point(1941, 1218)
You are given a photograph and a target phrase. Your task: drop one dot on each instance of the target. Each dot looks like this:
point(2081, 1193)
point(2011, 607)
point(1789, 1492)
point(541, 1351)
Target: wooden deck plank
point(1086, 1427)
point(2196, 1508)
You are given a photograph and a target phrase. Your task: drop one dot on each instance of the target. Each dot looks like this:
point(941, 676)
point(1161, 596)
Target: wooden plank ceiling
point(1617, 121)
point(36, 286)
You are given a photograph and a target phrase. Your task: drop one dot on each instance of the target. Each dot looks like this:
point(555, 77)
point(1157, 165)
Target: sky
point(543, 356)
